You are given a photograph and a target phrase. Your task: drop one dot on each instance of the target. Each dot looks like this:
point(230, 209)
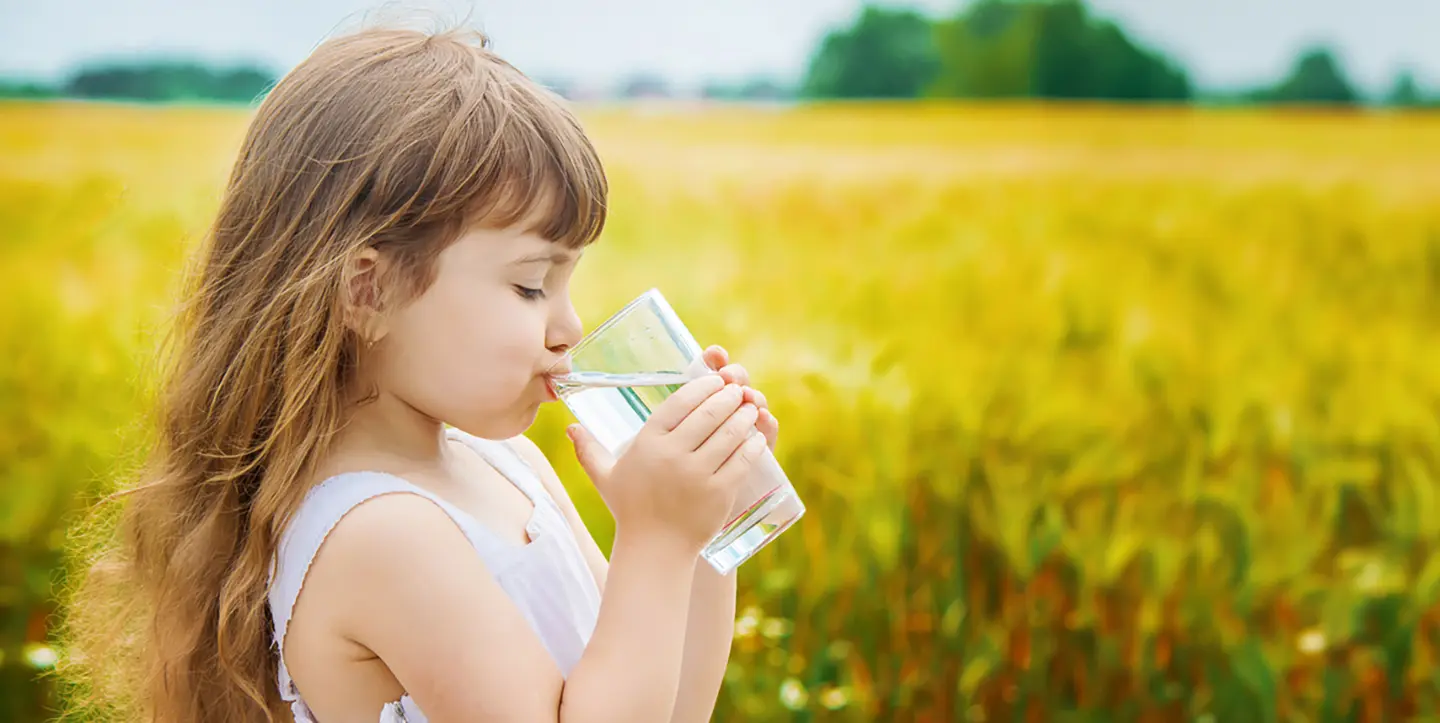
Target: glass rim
point(615, 318)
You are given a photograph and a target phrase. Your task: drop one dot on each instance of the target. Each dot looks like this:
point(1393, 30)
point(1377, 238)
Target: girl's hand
point(717, 358)
point(678, 479)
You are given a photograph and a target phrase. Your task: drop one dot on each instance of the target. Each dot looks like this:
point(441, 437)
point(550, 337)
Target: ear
point(364, 310)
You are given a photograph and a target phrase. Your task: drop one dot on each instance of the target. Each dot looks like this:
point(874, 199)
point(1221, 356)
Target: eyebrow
point(554, 257)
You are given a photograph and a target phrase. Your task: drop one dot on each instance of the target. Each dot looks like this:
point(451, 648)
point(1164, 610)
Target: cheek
point(460, 352)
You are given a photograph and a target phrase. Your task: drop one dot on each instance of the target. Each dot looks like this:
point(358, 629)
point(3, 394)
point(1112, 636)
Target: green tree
point(162, 80)
point(1119, 69)
point(885, 53)
point(26, 89)
point(1068, 56)
point(1405, 93)
point(1316, 78)
point(1048, 49)
point(987, 52)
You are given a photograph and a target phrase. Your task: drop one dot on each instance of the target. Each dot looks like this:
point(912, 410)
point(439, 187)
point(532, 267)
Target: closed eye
point(530, 294)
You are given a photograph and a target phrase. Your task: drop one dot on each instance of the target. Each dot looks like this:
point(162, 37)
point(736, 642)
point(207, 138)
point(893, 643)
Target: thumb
point(593, 456)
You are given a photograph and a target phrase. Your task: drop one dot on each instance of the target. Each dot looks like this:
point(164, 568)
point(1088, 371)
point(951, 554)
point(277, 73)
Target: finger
point(716, 357)
point(685, 400)
point(754, 396)
point(728, 437)
point(742, 461)
point(770, 427)
point(701, 423)
point(735, 374)
point(593, 457)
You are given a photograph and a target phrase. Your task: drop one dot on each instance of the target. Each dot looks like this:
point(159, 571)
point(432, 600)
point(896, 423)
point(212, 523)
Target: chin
point(502, 425)
point(522, 421)
point(529, 418)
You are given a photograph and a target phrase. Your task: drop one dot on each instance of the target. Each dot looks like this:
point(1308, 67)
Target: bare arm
point(642, 627)
point(710, 622)
point(709, 631)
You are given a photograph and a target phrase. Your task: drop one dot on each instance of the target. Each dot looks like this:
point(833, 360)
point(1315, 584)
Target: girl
point(341, 519)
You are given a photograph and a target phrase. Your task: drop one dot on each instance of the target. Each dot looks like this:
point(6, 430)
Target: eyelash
point(530, 294)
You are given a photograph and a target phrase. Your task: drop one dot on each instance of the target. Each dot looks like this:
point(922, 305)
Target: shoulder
point(377, 505)
point(397, 577)
point(390, 532)
point(402, 550)
point(384, 544)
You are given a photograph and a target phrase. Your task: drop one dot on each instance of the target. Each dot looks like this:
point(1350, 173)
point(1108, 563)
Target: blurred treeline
point(989, 49)
point(154, 80)
point(1054, 49)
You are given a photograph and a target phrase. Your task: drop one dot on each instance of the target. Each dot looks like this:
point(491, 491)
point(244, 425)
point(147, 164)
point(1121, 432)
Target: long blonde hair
point(387, 138)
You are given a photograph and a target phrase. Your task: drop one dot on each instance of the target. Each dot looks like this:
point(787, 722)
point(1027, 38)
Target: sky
point(1224, 43)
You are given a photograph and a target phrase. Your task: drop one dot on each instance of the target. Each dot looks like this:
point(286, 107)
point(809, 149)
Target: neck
point(386, 432)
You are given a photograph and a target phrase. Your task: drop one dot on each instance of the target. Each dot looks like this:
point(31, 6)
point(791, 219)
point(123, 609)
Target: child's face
point(472, 350)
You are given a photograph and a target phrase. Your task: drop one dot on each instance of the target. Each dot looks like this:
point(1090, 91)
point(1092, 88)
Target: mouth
point(559, 369)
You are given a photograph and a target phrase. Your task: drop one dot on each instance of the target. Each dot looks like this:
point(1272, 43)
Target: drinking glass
point(623, 370)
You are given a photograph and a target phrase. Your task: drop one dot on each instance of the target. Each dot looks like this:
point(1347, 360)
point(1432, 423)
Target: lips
point(559, 369)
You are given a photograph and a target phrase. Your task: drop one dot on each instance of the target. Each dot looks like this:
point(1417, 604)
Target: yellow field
point(1100, 415)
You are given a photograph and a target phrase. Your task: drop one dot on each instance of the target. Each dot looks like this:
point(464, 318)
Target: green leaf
point(1251, 667)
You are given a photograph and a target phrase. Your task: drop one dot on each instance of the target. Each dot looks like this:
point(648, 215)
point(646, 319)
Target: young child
point(341, 519)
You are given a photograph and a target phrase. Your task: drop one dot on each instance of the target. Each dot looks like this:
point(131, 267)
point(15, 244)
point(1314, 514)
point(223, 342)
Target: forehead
point(517, 248)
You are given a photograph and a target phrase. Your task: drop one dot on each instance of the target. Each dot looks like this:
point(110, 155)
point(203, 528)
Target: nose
point(564, 331)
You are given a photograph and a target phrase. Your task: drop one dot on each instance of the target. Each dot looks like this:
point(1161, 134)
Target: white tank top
point(547, 579)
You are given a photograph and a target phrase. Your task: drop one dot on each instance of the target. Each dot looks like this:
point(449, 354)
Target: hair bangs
point(537, 171)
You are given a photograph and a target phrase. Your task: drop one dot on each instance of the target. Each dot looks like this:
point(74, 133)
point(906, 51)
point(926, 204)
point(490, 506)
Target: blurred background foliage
point(1107, 405)
point(1117, 416)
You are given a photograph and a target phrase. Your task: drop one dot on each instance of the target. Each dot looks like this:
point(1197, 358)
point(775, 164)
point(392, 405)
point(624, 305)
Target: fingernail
point(570, 432)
